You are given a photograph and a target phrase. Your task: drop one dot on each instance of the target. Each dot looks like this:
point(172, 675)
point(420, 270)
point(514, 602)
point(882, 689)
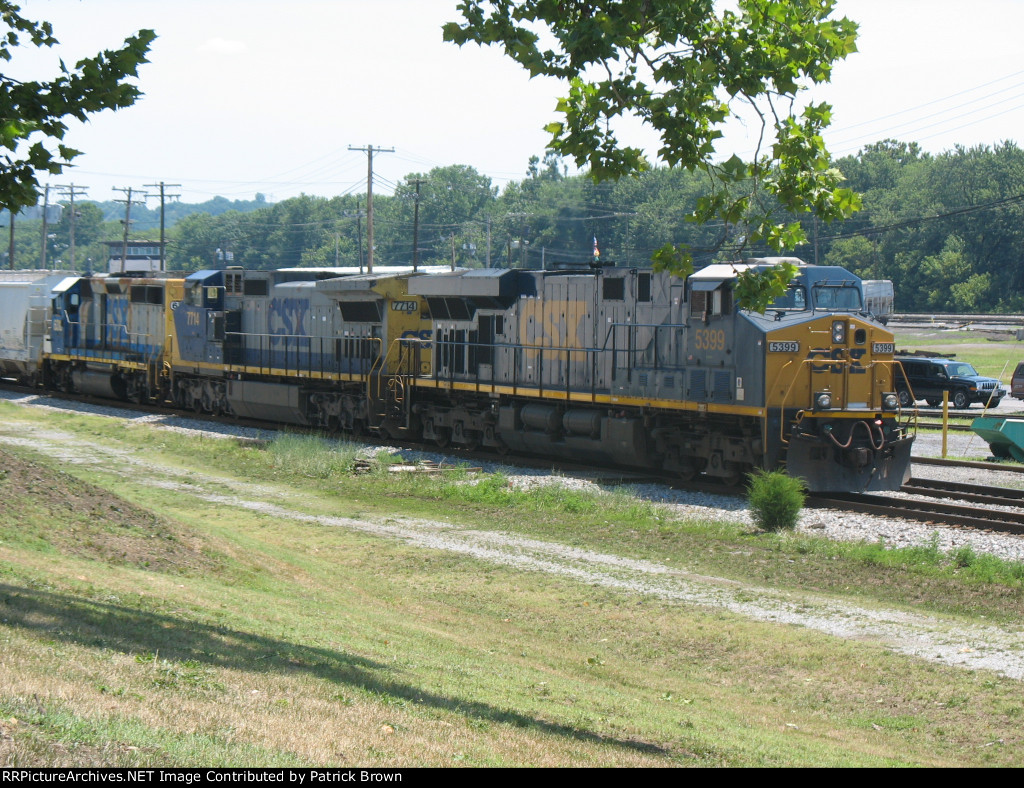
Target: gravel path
point(999, 648)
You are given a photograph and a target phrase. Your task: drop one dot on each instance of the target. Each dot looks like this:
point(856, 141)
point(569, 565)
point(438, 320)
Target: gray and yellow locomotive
point(649, 371)
point(625, 366)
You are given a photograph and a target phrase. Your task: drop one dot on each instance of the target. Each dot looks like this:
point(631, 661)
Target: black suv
point(929, 377)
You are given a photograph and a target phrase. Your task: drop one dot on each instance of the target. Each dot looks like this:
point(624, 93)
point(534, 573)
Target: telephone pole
point(370, 150)
point(416, 226)
point(71, 191)
point(42, 245)
point(359, 230)
point(161, 186)
point(127, 218)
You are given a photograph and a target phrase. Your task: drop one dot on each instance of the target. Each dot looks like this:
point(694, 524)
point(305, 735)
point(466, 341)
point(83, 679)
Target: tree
point(679, 66)
point(31, 109)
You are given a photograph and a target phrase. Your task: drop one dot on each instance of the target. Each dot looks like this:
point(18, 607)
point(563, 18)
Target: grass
point(992, 356)
point(217, 635)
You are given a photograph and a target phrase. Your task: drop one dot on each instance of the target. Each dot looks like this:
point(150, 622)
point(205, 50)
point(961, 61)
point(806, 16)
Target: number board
point(883, 347)
point(783, 347)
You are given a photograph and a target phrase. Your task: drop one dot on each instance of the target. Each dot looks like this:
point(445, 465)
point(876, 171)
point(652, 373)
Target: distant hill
point(148, 216)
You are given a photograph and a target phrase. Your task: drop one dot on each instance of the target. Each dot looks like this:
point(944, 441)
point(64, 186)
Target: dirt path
point(929, 637)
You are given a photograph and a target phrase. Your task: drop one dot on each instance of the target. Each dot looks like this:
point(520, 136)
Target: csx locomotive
point(624, 366)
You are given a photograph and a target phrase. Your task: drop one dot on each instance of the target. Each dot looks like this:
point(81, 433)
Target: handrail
point(106, 338)
point(322, 344)
point(801, 411)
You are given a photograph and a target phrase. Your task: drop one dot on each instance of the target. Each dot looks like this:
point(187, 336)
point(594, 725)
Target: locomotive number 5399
point(709, 339)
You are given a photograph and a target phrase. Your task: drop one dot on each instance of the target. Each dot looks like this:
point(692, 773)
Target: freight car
point(24, 321)
point(627, 366)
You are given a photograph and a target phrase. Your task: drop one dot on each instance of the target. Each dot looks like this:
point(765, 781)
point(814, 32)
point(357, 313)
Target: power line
point(922, 219)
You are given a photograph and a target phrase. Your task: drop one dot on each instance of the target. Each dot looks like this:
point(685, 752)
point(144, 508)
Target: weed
point(312, 457)
point(775, 499)
point(964, 557)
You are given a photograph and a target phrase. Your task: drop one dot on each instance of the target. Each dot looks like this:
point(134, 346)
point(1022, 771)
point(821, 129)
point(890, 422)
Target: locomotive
point(626, 366)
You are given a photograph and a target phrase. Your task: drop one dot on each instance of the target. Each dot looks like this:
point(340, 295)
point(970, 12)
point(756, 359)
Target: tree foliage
point(33, 114)
point(680, 67)
point(947, 228)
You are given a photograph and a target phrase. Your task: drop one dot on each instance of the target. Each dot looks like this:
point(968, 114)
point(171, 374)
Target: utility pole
point(369, 150)
point(815, 239)
point(42, 245)
point(71, 191)
point(522, 238)
point(127, 218)
point(488, 241)
point(416, 227)
point(10, 248)
point(359, 233)
point(163, 196)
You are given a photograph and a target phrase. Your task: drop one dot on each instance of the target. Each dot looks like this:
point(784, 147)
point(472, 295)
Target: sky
point(259, 96)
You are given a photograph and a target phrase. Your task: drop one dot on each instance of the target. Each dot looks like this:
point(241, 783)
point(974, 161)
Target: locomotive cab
point(834, 418)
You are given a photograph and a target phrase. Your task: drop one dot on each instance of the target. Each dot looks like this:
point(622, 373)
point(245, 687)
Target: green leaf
point(760, 53)
point(40, 108)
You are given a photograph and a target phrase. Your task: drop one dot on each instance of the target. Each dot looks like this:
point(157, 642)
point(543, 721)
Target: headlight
point(822, 401)
point(890, 401)
point(838, 332)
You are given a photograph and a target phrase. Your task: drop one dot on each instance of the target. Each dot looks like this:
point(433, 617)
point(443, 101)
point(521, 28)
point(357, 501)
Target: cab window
point(795, 299)
point(833, 297)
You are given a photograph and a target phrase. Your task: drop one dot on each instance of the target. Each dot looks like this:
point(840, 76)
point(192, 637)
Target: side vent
point(723, 392)
point(698, 384)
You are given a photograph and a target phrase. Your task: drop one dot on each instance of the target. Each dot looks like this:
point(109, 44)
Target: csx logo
point(404, 306)
point(836, 354)
point(426, 335)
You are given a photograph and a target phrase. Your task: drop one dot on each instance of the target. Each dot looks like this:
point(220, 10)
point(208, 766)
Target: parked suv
point(929, 377)
point(1017, 382)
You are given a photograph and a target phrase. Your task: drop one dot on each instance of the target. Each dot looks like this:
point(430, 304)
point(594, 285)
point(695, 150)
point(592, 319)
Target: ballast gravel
point(998, 648)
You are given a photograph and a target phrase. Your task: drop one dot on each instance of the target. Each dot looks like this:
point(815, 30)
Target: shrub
point(775, 499)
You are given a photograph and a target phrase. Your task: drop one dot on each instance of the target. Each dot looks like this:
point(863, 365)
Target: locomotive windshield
point(843, 296)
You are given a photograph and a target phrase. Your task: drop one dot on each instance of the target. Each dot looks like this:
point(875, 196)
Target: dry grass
point(277, 642)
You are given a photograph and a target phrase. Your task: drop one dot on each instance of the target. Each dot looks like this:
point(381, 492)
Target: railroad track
point(1010, 466)
point(973, 510)
point(974, 515)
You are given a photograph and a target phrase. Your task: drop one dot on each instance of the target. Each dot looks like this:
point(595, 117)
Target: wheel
point(933, 403)
point(960, 400)
point(994, 402)
point(905, 400)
